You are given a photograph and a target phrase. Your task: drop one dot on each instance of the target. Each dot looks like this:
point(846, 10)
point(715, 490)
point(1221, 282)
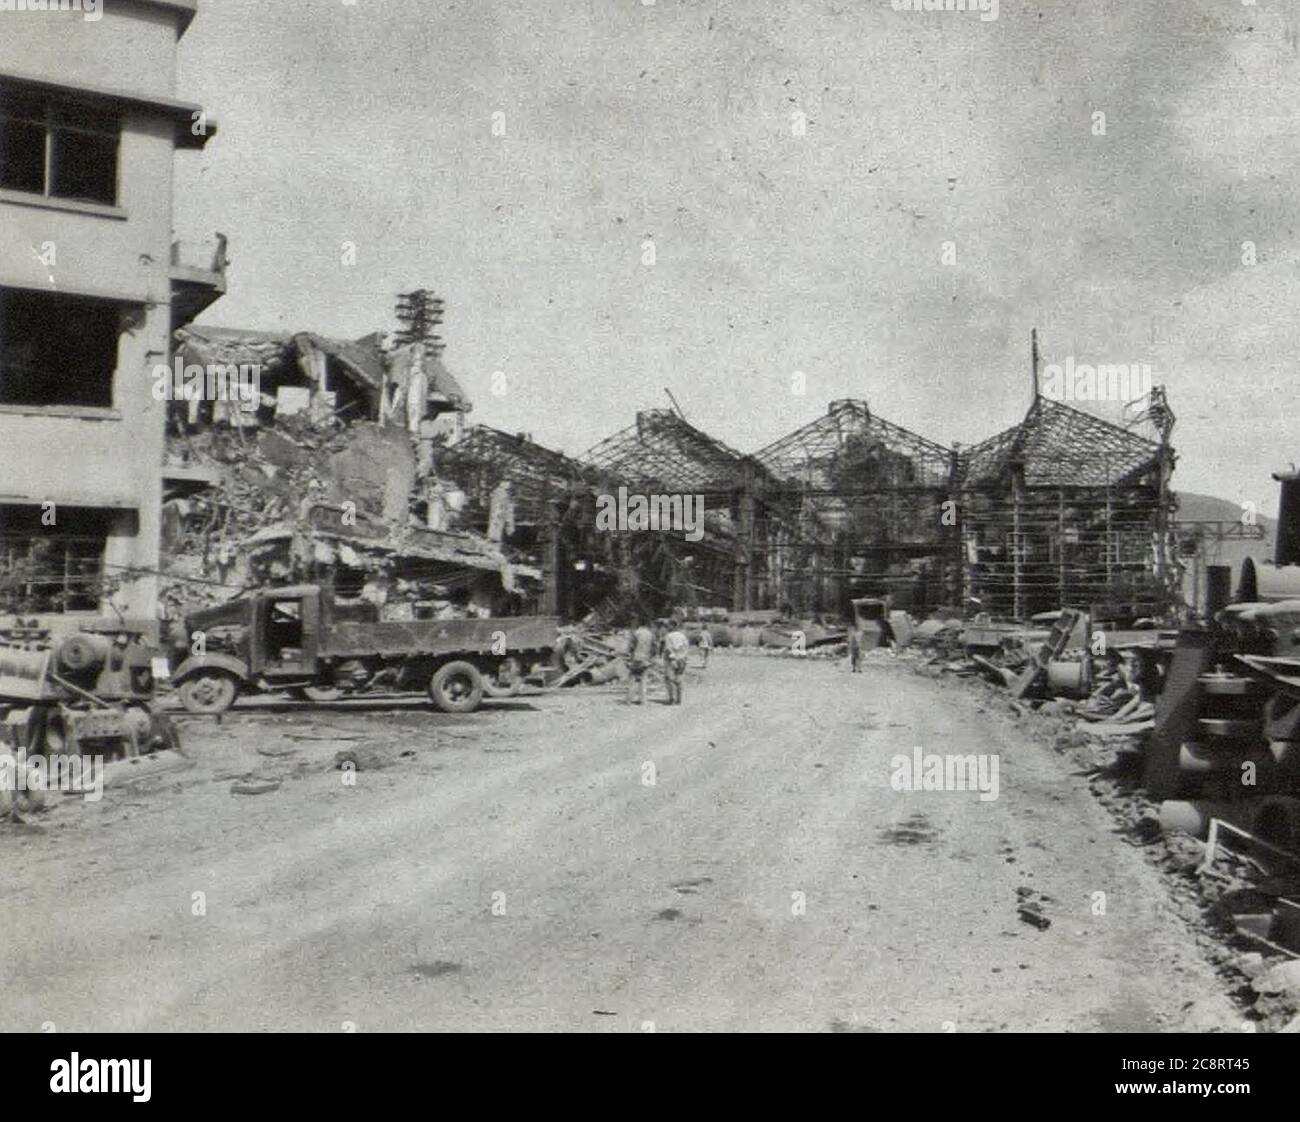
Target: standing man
point(638, 662)
point(706, 644)
point(676, 646)
point(855, 650)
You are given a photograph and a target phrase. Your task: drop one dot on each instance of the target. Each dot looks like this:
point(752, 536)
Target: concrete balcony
point(198, 277)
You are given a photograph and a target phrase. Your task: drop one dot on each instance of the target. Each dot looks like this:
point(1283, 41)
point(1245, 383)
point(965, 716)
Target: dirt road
point(568, 862)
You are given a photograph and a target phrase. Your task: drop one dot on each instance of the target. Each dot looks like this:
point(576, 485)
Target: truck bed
point(357, 638)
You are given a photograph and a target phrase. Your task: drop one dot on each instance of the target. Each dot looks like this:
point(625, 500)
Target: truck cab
point(285, 632)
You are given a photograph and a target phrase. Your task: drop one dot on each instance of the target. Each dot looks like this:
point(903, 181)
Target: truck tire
point(209, 691)
point(456, 687)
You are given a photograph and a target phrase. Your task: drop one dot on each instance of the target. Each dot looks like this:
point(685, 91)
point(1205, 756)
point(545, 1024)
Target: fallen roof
point(364, 360)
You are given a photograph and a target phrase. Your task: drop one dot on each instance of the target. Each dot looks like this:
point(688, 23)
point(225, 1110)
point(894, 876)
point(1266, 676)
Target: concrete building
point(92, 286)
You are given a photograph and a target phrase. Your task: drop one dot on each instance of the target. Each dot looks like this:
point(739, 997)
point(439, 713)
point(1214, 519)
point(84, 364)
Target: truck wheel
point(456, 687)
point(209, 691)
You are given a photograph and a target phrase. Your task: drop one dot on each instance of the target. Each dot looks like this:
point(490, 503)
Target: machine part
point(17, 728)
point(351, 672)
point(1219, 683)
point(1238, 728)
point(1277, 821)
point(1262, 582)
point(1218, 589)
point(209, 691)
point(1282, 717)
point(52, 737)
point(1194, 757)
point(1285, 752)
point(1181, 816)
point(84, 652)
point(317, 694)
point(1065, 678)
point(1057, 640)
point(25, 674)
point(456, 687)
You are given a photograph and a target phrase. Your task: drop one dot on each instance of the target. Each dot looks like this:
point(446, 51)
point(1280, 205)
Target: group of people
point(665, 641)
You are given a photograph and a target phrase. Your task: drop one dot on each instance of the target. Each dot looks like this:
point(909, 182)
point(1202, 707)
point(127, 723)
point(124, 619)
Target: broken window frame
point(49, 366)
point(63, 120)
point(70, 578)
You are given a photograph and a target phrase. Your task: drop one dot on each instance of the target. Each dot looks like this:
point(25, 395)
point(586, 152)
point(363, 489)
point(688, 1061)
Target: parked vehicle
point(299, 639)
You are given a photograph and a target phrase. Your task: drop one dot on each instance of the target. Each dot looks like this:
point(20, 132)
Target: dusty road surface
point(566, 862)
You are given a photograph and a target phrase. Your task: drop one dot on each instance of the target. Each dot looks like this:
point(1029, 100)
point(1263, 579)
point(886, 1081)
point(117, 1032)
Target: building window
point(57, 350)
point(58, 148)
point(58, 568)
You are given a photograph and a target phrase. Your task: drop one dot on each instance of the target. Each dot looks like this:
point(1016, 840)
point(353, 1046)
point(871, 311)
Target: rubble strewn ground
point(1113, 770)
point(560, 860)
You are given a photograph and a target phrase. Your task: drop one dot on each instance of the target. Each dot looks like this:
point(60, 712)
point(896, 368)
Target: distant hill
point(1206, 508)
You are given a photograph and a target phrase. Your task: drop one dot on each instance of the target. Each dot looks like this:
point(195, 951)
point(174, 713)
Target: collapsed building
point(323, 474)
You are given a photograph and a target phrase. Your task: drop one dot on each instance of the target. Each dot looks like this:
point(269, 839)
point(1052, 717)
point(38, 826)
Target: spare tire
point(506, 679)
point(456, 687)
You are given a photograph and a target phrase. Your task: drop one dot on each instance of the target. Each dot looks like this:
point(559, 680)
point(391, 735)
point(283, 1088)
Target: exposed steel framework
point(1062, 509)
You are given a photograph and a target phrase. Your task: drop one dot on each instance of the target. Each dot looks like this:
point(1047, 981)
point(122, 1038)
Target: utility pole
point(419, 314)
point(1033, 365)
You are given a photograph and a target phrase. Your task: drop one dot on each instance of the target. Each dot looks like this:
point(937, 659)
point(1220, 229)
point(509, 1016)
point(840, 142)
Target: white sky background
point(372, 123)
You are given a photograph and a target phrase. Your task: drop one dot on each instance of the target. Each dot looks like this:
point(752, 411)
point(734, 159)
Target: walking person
point(675, 648)
point(855, 650)
point(640, 655)
point(706, 646)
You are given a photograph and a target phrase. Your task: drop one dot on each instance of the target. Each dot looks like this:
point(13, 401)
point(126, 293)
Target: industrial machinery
point(88, 693)
point(1230, 703)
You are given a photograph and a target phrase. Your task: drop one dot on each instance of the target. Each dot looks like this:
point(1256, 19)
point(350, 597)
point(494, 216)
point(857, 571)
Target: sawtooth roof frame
point(809, 454)
point(532, 468)
point(1061, 446)
point(665, 451)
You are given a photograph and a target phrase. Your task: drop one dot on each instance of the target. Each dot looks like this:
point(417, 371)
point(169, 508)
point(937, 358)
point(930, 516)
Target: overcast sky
point(372, 123)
